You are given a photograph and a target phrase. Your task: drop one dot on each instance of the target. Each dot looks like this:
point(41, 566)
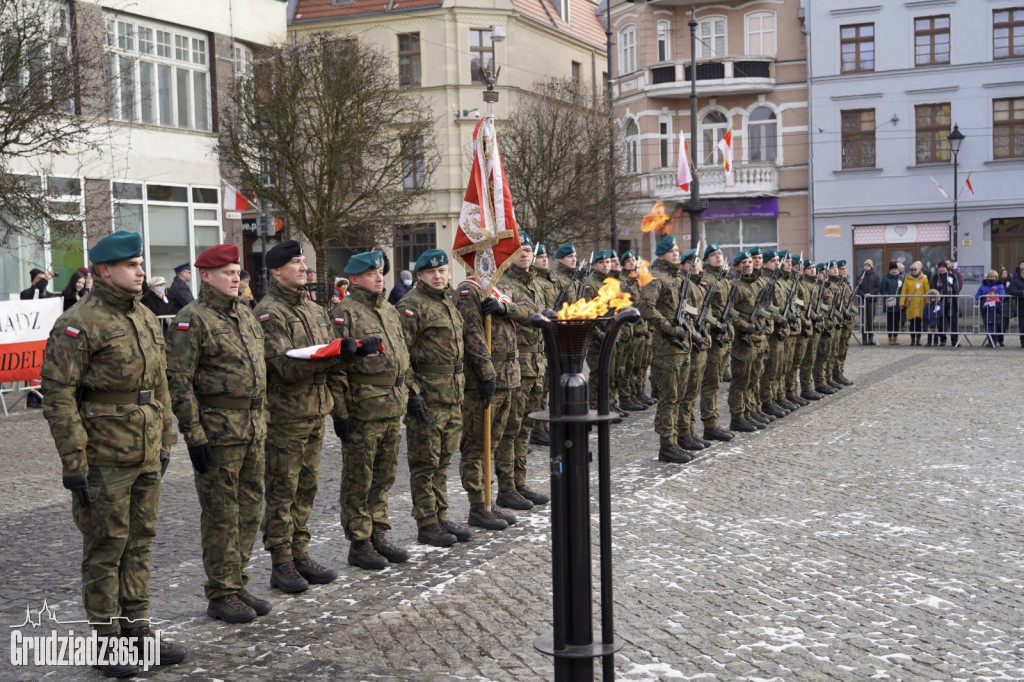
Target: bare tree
point(40, 80)
point(323, 132)
point(555, 152)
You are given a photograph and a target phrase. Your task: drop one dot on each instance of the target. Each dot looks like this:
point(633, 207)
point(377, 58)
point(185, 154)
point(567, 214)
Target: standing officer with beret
point(602, 266)
point(106, 400)
point(565, 270)
point(300, 394)
point(630, 353)
point(375, 394)
point(746, 341)
point(434, 336)
point(180, 294)
point(549, 285)
point(218, 382)
point(718, 352)
point(693, 267)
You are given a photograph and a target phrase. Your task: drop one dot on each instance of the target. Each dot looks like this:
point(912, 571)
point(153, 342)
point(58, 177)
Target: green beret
point(840, 264)
point(119, 246)
point(740, 257)
point(361, 262)
point(712, 247)
point(434, 258)
point(768, 254)
point(809, 263)
point(783, 255)
point(832, 264)
point(524, 239)
point(754, 251)
point(819, 267)
point(627, 255)
point(690, 254)
point(540, 250)
point(283, 253)
point(565, 250)
point(604, 254)
point(665, 245)
point(796, 258)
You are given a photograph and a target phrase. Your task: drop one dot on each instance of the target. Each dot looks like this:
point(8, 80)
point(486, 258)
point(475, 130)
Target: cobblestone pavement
point(875, 534)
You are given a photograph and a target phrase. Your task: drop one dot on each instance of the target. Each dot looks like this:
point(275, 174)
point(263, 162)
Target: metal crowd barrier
point(957, 319)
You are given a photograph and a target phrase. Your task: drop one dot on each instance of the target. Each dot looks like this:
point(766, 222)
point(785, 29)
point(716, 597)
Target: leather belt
point(535, 348)
point(318, 378)
point(366, 380)
point(502, 357)
point(142, 397)
point(230, 403)
point(439, 369)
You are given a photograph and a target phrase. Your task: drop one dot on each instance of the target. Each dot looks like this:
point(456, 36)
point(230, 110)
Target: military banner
point(24, 327)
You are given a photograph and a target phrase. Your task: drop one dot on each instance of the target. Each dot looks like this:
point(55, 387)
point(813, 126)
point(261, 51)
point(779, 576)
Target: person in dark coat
point(74, 291)
point(890, 288)
point(37, 289)
point(402, 287)
point(155, 298)
point(870, 285)
point(990, 295)
point(1015, 287)
point(180, 294)
point(948, 286)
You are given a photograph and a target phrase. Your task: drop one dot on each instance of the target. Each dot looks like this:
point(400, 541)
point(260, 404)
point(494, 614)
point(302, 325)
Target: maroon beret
point(217, 256)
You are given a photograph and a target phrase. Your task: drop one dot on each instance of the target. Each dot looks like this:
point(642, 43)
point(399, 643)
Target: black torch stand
point(571, 641)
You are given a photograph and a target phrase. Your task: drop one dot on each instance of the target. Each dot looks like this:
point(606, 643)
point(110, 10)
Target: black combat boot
point(115, 669)
point(796, 399)
point(844, 380)
point(285, 578)
point(836, 384)
point(789, 404)
point(513, 500)
point(825, 389)
point(756, 421)
point(461, 533)
point(764, 417)
point(644, 398)
point(485, 519)
point(362, 553)
point(532, 495)
point(715, 433)
point(673, 454)
point(260, 606)
point(540, 438)
point(688, 442)
point(435, 536)
point(169, 653)
point(507, 517)
point(742, 425)
point(631, 405)
point(773, 411)
point(231, 609)
point(313, 572)
point(809, 395)
point(394, 555)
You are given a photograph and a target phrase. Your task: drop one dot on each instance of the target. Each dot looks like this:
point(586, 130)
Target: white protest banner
point(24, 328)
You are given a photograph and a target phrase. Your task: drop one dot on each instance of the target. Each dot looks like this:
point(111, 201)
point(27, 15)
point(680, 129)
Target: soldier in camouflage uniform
point(747, 337)
point(376, 392)
point(631, 371)
point(433, 331)
point(796, 344)
point(776, 338)
point(718, 352)
point(218, 381)
point(759, 343)
point(814, 278)
point(549, 285)
point(520, 284)
point(600, 269)
point(491, 377)
point(823, 355)
point(300, 394)
point(106, 401)
point(848, 312)
point(566, 276)
point(669, 370)
point(699, 286)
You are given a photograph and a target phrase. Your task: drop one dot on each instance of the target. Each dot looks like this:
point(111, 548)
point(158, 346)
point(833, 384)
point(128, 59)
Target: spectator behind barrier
point(990, 294)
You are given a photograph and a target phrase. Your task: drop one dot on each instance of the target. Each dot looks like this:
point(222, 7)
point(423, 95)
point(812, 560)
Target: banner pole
point(487, 428)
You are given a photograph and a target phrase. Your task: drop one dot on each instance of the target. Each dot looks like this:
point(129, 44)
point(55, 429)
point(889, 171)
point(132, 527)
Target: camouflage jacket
point(375, 387)
point(805, 292)
point(297, 389)
point(215, 352)
point(699, 287)
point(501, 363)
point(106, 344)
point(563, 279)
point(778, 302)
point(718, 302)
point(592, 284)
point(658, 306)
point(434, 331)
point(746, 299)
point(792, 279)
point(631, 285)
point(828, 294)
point(523, 287)
point(549, 284)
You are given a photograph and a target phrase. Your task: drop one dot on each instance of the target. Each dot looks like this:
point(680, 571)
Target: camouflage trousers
point(471, 466)
point(431, 447)
point(635, 362)
point(593, 359)
point(510, 459)
point(691, 396)
point(291, 481)
point(772, 372)
point(844, 348)
point(710, 383)
point(757, 367)
point(823, 357)
point(368, 469)
point(669, 372)
point(230, 496)
point(117, 528)
point(742, 361)
point(807, 362)
point(796, 345)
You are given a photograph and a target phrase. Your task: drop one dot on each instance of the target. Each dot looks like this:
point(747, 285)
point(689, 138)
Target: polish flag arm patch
point(183, 326)
point(73, 332)
point(264, 317)
point(408, 313)
point(339, 320)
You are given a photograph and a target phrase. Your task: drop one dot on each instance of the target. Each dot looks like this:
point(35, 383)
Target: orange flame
point(609, 297)
point(657, 219)
point(643, 271)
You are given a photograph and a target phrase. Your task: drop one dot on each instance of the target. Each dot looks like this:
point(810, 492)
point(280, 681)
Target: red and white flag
point(939, 187)
point(725, 145)
point(683, 175)
point(234, 200)
point(970, 187)
point(487, 240)
point(324, 350)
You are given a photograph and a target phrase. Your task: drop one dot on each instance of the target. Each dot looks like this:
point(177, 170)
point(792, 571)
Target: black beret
point(282, 253)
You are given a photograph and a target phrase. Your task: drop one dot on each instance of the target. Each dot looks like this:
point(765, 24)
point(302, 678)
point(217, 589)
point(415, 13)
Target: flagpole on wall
point(695, 206)
point(490, 97)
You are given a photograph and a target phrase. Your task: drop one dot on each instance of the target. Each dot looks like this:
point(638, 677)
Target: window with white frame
point(243, 60)
point(762, 136)
point(664, 43)
point(631, 157)
point(711, 38)
point(157, 74)
point(761, 34)
point(627, 50)
point(664, 143)
point(713, 128)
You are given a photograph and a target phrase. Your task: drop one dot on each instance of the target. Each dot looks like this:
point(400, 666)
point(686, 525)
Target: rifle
point(836, 297)
point(681, 310)
point(763, 302)
point(728, 313)
point(572, 280)
point(705, 307)
point(820, 291)
point(787, 312)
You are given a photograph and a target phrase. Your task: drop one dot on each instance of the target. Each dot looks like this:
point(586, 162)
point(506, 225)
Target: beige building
point(440, 49)
point(751, 76)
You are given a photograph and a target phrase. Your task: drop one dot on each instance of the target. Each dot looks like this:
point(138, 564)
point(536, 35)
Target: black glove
point(549, 313)
point(369, 346)
point(79, 485)
point(417, 409)
point(680, 332)
point(492, 306)
point(201, 456)
point(165, 461)
point(342, 428)
point(599, 338)
point(487, 389)
point(348, 346)
point(751, 329)
point(698, 339)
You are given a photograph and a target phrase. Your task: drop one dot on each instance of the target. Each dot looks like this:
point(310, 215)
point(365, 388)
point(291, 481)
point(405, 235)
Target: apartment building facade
point(890, 84)
point(751, 78)
point(152, 165)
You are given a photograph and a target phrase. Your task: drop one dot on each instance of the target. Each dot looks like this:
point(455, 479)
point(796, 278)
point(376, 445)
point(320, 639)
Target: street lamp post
point(611, 128)
point(696, 205)
point(955, 139)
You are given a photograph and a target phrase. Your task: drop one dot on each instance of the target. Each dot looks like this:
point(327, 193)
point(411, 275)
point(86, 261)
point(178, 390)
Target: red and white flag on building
point(234, 200)
point(487, 240)
point(725, 145)
point(939, 187)
point(970, 187)
point(683, 175)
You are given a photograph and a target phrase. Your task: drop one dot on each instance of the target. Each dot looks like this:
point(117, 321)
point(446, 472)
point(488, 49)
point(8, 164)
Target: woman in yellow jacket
point(913, 296)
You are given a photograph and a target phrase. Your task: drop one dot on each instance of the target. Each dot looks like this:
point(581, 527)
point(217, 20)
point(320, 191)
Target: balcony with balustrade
point(715, 77)
point(746, 181)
